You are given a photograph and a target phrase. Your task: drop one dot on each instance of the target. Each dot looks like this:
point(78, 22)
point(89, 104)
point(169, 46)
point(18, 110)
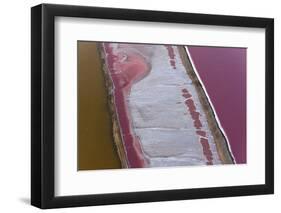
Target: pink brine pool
point(223, 72)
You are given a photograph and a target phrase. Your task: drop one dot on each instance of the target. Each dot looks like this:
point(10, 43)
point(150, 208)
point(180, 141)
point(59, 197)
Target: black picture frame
point(43, 111)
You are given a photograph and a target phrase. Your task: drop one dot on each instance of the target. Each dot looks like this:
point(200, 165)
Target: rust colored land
point(96, 149)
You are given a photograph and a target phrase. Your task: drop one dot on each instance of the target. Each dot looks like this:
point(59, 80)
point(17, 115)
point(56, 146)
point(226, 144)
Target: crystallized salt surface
point(158, 110)
point(160, 117)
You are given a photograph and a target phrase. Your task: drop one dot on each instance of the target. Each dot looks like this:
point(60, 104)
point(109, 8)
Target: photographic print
point(183, 96)
point(160, 105)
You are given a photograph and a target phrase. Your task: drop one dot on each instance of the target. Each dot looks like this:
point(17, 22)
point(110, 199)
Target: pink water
point(223, 72)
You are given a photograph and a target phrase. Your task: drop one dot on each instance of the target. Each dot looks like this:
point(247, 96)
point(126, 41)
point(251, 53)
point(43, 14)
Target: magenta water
point(223, 72)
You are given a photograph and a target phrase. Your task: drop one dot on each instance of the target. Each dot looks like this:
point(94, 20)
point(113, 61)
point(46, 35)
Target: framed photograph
point(139, 106)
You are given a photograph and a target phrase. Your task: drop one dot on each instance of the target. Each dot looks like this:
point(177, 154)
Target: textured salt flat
point(160, 117)
point(163, 116)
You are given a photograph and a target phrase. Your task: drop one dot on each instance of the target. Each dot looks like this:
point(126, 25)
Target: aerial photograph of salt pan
point(160, 105)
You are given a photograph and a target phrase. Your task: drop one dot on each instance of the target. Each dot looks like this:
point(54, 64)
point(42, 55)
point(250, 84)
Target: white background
point(15, 106)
